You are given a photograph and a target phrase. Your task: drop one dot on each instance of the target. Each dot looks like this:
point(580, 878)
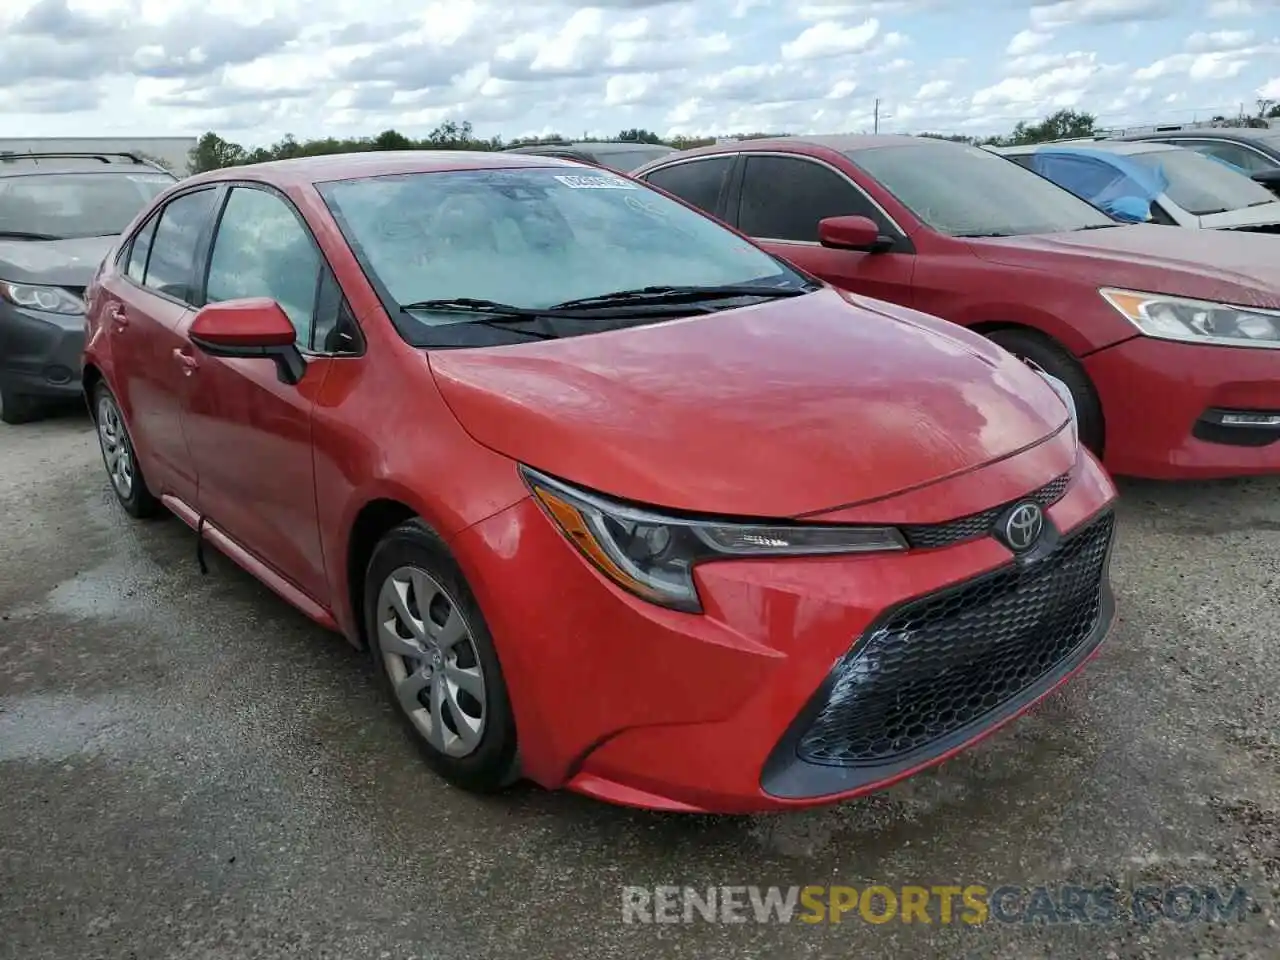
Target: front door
point(146, 306)
point(250, 434)
point(780, 202)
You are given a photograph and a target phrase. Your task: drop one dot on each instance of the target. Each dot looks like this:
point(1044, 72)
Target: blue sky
point(257, 69)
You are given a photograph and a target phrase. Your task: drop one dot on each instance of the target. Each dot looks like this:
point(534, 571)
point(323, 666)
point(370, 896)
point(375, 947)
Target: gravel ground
point(190, 769)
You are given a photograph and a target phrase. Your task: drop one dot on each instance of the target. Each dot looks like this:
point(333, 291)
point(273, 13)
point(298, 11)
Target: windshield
point(532, 238)
point(66, 205)
point(968, 191)
point(1202, 186)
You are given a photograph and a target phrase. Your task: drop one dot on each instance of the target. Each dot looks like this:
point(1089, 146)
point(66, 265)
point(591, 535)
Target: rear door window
point(137, 267)
point(171, 266)
point(697, 182)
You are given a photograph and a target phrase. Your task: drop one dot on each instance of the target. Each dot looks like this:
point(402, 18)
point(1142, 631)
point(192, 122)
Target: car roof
point(22, 165)
point(600, 147)
point(1107, 146)
point(841, 142)
point(301, 171)
point(1267, 134)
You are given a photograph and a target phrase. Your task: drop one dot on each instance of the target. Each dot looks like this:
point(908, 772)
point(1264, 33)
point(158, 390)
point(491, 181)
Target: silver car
point(1172, 185)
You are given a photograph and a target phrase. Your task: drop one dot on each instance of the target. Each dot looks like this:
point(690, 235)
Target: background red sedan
point(616, 499)
point(1169, 340)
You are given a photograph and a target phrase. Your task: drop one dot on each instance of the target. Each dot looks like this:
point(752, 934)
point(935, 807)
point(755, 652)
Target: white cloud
point(830, 38)
point(254, 70)
point(1025, 41)
point(1270, 90)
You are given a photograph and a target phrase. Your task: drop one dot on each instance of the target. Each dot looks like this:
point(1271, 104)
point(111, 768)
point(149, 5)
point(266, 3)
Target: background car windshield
point(67, 205)
point(968, 191)
point(535, 237)
point(628, 160)
point(1200, 185)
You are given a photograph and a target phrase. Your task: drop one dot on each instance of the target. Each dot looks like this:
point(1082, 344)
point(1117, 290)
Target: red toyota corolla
point(618, 501)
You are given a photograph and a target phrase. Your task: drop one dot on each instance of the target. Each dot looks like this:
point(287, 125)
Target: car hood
point(64, 263)
point(778, 410)
point(1246, 218)
point(1224, 265)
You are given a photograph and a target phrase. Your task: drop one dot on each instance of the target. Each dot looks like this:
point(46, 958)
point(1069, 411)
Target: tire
point(120, 458)
point(1058, 362)
point(16, 408)
point(480, 758)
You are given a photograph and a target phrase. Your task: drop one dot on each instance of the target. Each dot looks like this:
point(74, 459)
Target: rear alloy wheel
point(1058, 362)
point(433, 651)
point(119, 456)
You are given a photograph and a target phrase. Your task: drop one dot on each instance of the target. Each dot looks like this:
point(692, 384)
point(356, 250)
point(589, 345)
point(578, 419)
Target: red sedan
point(617, 500)
point(1168, 339)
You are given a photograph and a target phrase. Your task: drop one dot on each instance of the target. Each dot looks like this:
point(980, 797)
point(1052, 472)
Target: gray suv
point(60, 214)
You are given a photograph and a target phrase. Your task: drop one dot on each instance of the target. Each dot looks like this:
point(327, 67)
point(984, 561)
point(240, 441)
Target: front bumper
point(1159, 400)
point(40, 354)
point(639, 705)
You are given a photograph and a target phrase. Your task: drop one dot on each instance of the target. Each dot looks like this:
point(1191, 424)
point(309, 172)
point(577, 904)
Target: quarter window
point(177, 235)
point(262, 249)
point(137, 268)
point(783, 198)
point(697, 182)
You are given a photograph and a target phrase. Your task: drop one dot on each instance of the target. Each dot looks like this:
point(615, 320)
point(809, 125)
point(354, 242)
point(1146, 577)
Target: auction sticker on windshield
point(596, 183)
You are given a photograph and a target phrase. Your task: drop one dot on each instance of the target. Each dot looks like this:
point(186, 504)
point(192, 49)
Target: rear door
point(147, 304)
point(781, 198)
point(250, 434)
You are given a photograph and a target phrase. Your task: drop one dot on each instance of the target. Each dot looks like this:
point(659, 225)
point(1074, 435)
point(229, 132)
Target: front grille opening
point(933, 535)
point(944, 662)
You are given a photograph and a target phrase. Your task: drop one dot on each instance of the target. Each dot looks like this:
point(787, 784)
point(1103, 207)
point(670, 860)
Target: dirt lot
point(189, 769)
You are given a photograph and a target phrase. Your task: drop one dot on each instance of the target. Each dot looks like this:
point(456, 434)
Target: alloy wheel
point(115, 447)
point(430, 656)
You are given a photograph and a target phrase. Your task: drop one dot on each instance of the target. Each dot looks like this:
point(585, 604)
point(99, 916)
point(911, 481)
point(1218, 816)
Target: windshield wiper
point(684, 294)
point(992, 233)
point(491, 314)
point(26, 235)
point(1100, 226)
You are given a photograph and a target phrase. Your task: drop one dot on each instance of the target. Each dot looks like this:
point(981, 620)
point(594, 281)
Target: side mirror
point(853, 233)
point(255, 327)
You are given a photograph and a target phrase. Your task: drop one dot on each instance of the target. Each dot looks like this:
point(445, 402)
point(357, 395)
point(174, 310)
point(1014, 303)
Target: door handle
point(118, 316)
point(189, 363)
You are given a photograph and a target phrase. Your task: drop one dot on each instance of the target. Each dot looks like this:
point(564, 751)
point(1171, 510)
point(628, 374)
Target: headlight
point(48, 299)
point(1196, 321)
point(653, 556)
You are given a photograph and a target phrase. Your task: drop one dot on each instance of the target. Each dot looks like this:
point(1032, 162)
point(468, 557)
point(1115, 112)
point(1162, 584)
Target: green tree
point(211, 152)
point(639, 135)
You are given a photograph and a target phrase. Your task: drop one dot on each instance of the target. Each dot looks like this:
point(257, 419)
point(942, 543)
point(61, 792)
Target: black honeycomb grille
point(944, 662)
point(933, 535)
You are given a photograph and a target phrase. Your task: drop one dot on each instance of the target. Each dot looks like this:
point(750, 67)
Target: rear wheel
point(119, 456)
point(1058, 362)
point(433, 652)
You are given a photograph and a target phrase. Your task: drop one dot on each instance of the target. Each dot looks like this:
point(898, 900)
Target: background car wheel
point(437, 661)
point(16, 408)
point(118, 455)
point(1058, 362)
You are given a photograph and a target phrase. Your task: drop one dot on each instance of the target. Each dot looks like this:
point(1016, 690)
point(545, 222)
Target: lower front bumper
point(1159, 399)
point(635, 704)
point(39, 357)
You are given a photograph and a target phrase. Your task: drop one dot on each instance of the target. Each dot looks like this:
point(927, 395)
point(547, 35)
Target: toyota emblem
point(1023, 525)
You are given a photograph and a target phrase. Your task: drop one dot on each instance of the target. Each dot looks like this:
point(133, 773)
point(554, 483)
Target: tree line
point(212, 152)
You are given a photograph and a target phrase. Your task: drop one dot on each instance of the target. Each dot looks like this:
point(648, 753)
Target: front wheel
point(119, 456)
point(433, 652)
point(1058, 362)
